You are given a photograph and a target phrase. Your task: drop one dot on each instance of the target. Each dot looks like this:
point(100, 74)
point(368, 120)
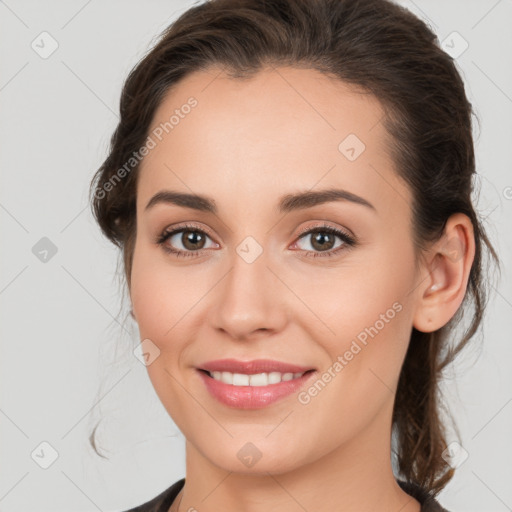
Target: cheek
point(154, 295)
point(366, 310)
point(369, 315)
point(353, 301)
point(166, 300)
point(159, 304)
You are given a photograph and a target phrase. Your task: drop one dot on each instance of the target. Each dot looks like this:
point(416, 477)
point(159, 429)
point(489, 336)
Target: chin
point(255, 458)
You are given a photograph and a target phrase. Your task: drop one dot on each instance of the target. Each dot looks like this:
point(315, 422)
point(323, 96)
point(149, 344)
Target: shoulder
point(163, 501)
point(426, 499)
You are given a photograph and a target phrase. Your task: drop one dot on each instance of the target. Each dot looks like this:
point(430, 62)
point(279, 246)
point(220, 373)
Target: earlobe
point(445, 275)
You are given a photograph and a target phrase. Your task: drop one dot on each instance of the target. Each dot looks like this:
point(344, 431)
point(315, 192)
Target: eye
point(194, 240)
point(191, 238)
point(323, 240)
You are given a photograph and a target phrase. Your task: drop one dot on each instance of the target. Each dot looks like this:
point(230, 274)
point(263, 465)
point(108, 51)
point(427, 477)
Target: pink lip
point(252, 367)
point(252, 397)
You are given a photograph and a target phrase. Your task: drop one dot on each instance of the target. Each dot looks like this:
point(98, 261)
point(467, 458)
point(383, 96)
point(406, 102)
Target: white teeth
point(258, 379)
point(226, 377)
point(240, 379)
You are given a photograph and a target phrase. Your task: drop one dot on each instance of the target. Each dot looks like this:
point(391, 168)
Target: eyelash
point(348, 241)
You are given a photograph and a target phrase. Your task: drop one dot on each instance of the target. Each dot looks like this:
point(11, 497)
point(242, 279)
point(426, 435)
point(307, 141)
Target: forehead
point(283, 128)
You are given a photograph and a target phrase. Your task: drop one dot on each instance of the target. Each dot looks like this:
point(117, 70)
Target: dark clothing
point(163, 501)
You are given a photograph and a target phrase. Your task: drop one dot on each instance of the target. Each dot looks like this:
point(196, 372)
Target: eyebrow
point(287, 203)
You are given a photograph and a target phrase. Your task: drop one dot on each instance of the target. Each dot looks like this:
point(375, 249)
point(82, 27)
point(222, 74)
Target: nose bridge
point(249, 297)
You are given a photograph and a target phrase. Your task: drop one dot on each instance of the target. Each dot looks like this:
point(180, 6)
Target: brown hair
point(385, 50)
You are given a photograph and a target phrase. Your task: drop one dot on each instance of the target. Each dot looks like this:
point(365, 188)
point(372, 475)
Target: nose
point(250, 299)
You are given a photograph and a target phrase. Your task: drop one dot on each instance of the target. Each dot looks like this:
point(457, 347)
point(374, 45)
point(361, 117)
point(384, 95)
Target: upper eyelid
point(177, 229)
point(325, 225)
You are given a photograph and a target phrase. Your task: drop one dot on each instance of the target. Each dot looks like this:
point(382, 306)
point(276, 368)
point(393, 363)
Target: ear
point(445, 273)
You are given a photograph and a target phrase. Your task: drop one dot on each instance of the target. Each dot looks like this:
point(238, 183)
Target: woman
point(290, 184)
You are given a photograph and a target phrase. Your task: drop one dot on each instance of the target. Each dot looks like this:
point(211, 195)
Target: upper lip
point(252, 367)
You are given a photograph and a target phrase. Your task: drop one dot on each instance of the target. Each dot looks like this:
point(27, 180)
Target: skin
point(246, 144)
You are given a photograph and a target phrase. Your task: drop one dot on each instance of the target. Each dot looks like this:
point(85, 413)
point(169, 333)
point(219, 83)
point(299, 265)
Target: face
point(325, 283)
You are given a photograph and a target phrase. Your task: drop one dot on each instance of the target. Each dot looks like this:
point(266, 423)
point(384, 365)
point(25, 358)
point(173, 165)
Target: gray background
point(66, 356)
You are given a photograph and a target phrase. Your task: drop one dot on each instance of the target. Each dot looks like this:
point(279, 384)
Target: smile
point(257, 379)
point(253, 391)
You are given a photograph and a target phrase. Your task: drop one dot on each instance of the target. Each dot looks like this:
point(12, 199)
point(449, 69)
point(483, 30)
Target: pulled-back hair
point(382, 49)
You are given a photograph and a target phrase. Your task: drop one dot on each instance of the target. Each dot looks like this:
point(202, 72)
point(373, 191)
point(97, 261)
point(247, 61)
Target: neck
point(356, 476)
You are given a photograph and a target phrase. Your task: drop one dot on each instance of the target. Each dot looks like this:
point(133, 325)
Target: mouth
point(253, 384)
point(255, 379)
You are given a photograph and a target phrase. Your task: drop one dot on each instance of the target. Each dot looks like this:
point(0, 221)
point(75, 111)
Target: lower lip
point(252, 397)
